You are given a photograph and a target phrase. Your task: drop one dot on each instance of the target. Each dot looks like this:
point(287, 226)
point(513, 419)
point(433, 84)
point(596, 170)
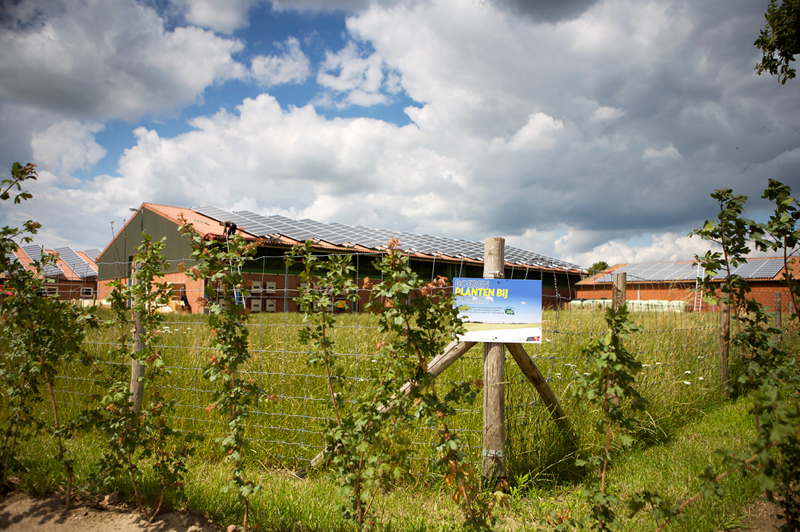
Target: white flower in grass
point(558, 375)
point(658, 363)
point(701, 357)
point(645, 365)
point(687, 383)
point(687, 372)
point(700, 378)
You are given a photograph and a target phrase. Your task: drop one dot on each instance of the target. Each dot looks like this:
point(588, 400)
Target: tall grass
point(680, 376)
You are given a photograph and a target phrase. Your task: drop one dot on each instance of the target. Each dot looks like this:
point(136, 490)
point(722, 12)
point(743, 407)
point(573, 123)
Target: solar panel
point(687, 271)
point(340, 234)
point(93, 253)
point(75, 262)
point(36, 253)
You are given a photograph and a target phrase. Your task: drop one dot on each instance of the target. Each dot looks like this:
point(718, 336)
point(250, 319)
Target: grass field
point(679, 376)
point(685, 421)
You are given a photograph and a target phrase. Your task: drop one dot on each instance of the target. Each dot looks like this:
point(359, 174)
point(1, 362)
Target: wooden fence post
point(137, 368)
point(778, 320)
point(724, 341)
point(494, 397)
point(618, 289)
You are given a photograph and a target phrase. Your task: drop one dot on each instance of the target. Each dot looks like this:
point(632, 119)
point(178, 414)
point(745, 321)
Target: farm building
point(671, 285)
point(74, 275)
point(273, 285)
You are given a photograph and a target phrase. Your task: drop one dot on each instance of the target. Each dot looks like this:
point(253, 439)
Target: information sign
point(499, 310)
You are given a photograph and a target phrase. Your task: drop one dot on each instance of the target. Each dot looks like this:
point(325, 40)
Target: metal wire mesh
point(677, 347)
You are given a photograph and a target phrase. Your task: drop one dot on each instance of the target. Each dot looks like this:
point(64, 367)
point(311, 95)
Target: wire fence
point(678, 349)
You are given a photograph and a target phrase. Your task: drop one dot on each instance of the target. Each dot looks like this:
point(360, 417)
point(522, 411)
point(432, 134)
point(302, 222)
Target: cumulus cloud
point(603, 124)
point(291, 67)
point(105, 60)
point(224, 16)
point(667, 246)
point(537, 134)
point(67, 146)
point(355, 77)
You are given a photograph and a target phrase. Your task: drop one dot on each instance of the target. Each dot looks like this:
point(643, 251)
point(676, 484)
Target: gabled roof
point(71, 265)
point(765, 268)
point(369, 240)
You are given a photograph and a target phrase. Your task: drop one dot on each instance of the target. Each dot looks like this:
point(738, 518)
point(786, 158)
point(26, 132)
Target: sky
point(583, 130)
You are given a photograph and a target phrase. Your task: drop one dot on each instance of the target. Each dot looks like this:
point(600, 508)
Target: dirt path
point(21, 513)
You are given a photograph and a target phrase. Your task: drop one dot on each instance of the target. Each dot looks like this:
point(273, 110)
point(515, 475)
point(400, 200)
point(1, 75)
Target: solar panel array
point(347, 236)
point(687, 271)
point(76, 263)
point(36, 253)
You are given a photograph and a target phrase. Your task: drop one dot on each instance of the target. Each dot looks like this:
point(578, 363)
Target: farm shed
point(74, 275)
point(670, 285)
point(273, 285)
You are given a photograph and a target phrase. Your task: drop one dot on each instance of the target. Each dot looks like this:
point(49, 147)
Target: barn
point(671, 285)
point(274, 285)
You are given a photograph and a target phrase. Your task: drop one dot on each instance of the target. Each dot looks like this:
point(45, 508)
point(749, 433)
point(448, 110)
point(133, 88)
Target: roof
point(765, 268)
point(365, 239)
point(71, 265)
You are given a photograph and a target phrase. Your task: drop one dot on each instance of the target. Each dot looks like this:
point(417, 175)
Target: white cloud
point(106, 60)
point(604, 113)
point(291, 67)
point(355, 75)
point(614, 122)
point(67, 146)
point(670, 152)
point(664, 247)
point(223, 16)
point(537, 134)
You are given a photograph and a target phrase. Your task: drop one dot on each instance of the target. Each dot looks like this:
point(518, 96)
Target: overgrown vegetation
point(43, 334)
point(369, 442)
point(381, 437)
point(219, 265)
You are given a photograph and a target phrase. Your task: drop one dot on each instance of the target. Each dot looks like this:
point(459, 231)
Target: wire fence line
point(678, 351)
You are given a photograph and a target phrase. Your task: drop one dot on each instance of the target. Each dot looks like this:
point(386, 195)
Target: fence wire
point(678, 349)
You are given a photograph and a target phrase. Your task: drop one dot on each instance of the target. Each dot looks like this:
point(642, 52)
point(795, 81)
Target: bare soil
point(21, 513)
point(762, 516)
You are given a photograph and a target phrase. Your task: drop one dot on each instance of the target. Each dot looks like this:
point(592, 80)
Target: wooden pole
point(618, 289)
point(494, 362)
point(436, 367)
point(724, 342)
point(137, 368)
point(530, 370)
point(778, 320)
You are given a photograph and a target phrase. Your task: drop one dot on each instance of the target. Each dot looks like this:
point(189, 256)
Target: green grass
point(679, 379)
point(286, 433)
point(289, 504)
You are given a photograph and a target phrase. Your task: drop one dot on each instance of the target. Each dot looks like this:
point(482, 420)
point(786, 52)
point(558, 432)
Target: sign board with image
point(499, 310)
